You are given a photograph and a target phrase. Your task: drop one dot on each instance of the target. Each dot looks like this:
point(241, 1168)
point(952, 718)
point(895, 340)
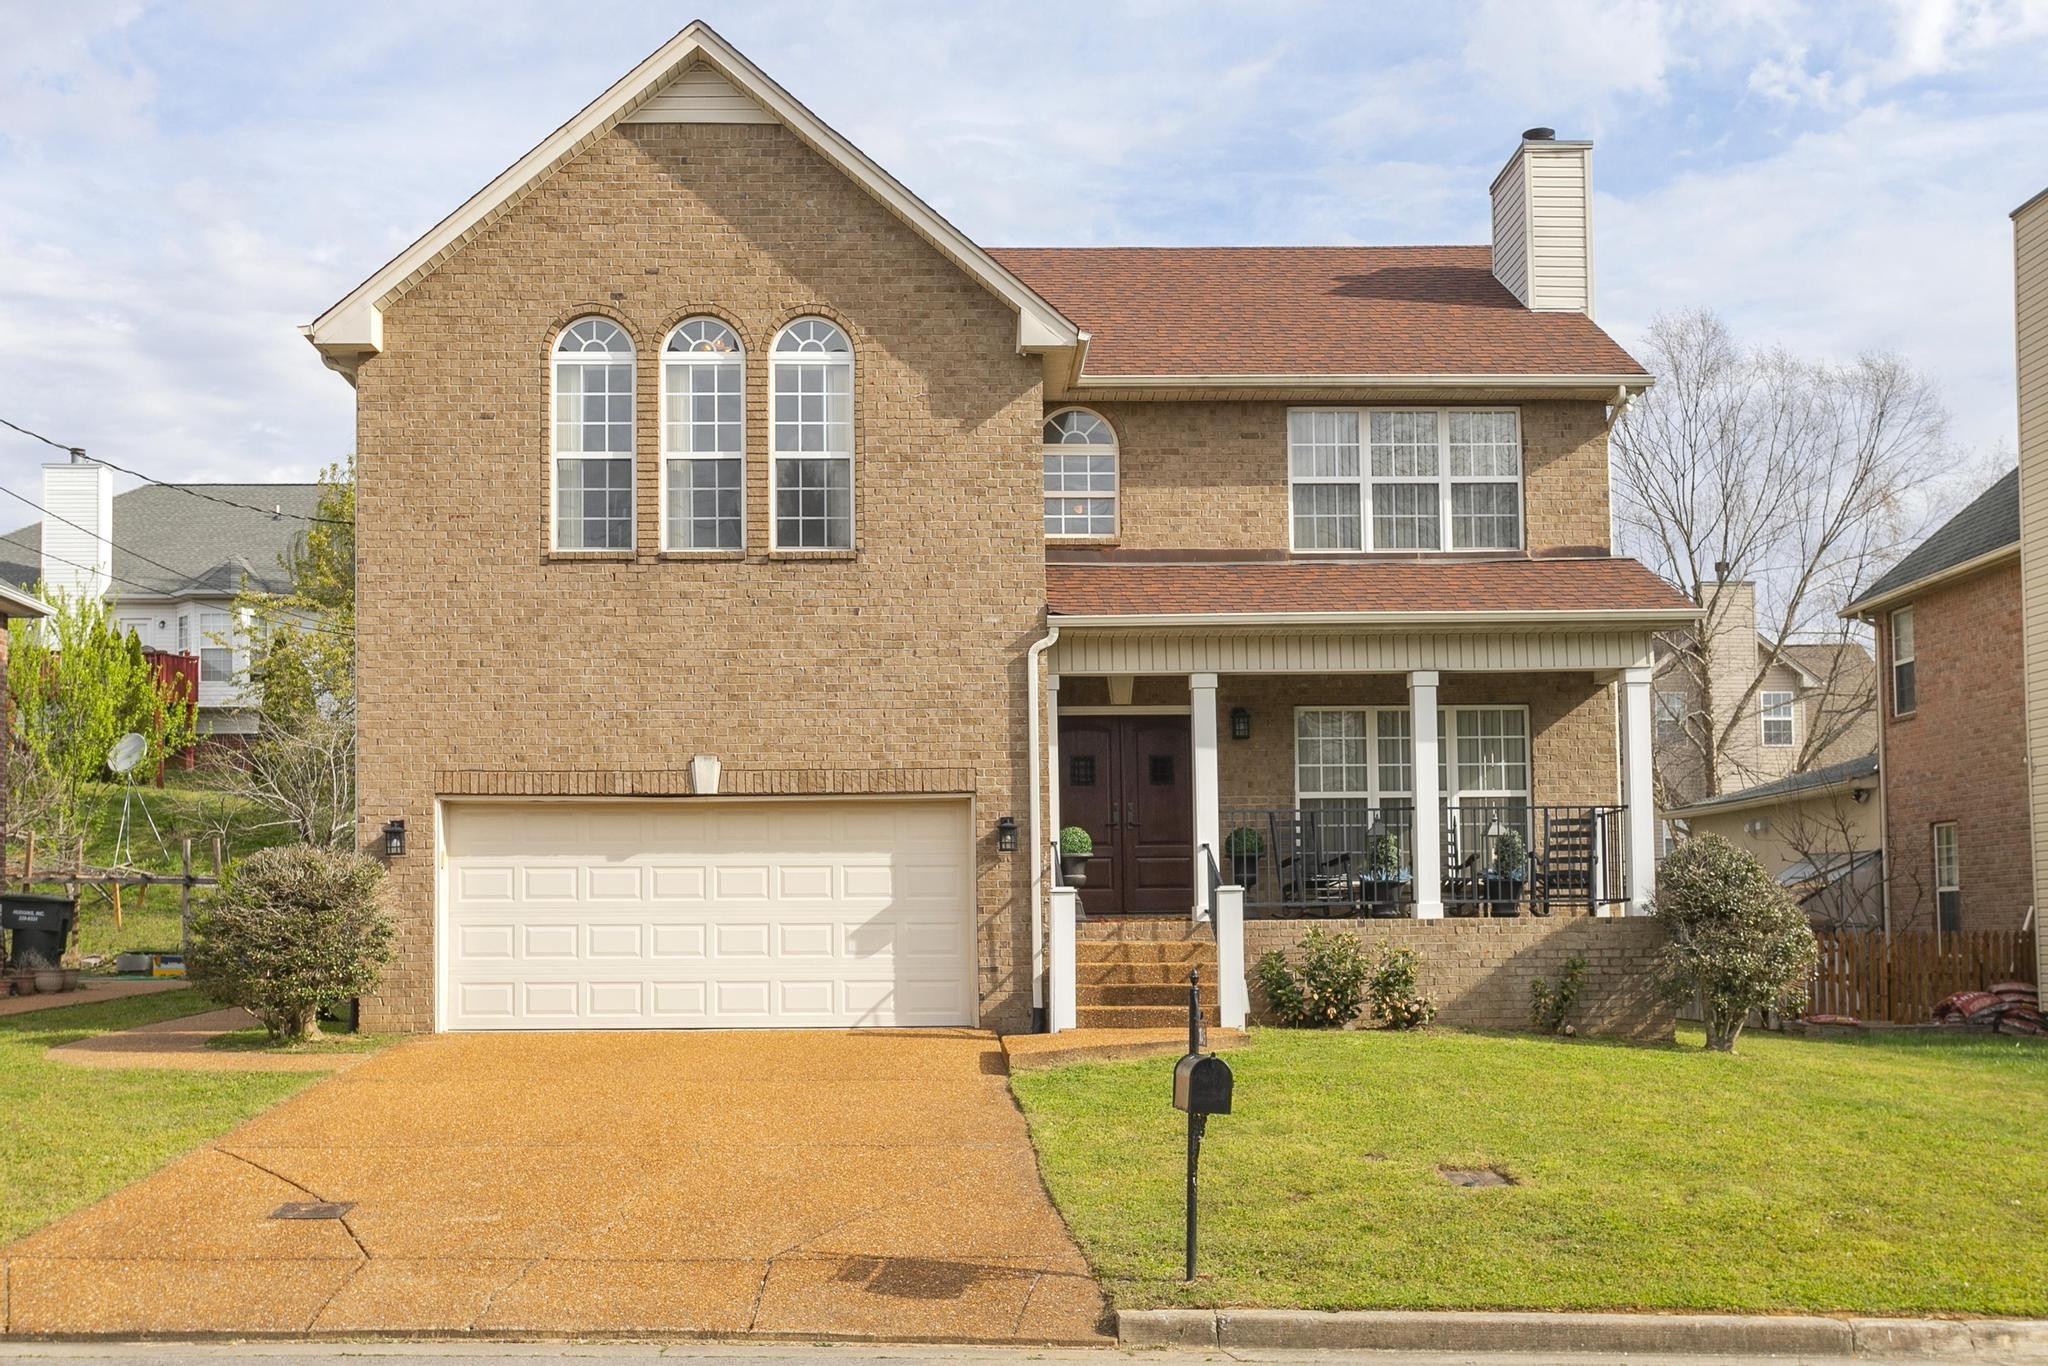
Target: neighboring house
point(1818, 832)
point(170, 564)
point(1952, 698)
point(13, 603)
point(1721, 728)
point(2030, 295)
point(741, 548)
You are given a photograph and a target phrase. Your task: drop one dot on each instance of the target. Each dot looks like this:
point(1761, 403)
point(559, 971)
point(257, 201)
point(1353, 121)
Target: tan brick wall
point(1961, 756)
point(482, 655)
point(1479, 971)
point(1211, 475)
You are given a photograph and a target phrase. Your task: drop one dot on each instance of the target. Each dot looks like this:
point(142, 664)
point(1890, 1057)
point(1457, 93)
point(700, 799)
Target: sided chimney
point(1543, 223)
point(78, 555)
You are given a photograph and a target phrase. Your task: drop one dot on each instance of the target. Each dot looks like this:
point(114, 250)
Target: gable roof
point(353, 327)
point(1988, 528)
point(200, 547)
point(1320, 313)
point(1796, 786)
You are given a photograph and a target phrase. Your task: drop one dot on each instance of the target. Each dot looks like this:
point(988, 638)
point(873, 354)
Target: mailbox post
point(1201, 1088)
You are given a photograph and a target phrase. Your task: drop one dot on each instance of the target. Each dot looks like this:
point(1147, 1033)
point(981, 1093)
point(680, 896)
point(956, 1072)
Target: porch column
point(1426, 859)
point(1061, 1002)
point(1638, 789)
point(1208, 809)
point(1052, 775)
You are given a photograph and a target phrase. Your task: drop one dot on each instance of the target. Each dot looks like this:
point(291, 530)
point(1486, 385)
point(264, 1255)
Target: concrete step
point(1150, 994)
point(1138, 1017)
point(1141, 974)
point(1148, 929)
point(1141, 952)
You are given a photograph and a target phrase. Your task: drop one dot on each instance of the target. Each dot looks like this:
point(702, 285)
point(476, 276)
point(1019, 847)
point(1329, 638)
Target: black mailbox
point(1201, 1085)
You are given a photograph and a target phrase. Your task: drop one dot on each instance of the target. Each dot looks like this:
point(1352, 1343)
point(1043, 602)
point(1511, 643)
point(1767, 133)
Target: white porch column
point(1427, 857)
point(1638, 789)
point(1052, 773)
point(1059, 996)
point(1208, 812)
point(1233, 998)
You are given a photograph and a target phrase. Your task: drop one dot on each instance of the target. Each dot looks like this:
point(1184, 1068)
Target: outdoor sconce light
point(1240, 724)
point(394, 839)
point(1006, 835)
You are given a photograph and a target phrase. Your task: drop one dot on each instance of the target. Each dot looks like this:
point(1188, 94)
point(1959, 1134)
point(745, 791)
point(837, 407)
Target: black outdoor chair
point(1309, 876)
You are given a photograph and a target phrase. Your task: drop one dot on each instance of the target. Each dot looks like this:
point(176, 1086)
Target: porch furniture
point(1564, 871)
point(1309, 875)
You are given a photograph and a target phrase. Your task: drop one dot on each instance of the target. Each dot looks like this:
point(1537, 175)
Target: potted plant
point(1245, 846)
point(1075, 851)
point(1380, 882)
point(1504, 881)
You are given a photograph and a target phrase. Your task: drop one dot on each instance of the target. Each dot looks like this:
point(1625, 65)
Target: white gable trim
point(354, 327)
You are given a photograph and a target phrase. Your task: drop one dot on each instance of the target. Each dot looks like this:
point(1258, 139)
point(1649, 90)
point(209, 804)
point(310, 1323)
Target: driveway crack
point(346, 1227)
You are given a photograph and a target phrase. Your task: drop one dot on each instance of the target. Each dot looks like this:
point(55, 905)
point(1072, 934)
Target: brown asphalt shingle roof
point(1307, 311)
point(1140, 589)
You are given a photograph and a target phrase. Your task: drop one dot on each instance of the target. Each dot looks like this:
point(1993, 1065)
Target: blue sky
point(182, 185)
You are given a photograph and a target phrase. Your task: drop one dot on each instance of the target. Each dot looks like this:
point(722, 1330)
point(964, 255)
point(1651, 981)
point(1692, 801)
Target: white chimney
point(78, 554)
point(1543, 223)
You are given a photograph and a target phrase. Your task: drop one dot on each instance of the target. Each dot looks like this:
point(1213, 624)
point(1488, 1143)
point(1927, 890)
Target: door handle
point(1114, 806)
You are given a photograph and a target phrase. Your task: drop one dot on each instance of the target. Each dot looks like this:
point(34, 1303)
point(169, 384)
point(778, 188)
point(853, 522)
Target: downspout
point(1032, 659)
point(1884, 814)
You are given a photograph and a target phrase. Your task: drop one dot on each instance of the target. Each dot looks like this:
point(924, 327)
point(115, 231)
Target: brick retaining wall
point(1479, 971)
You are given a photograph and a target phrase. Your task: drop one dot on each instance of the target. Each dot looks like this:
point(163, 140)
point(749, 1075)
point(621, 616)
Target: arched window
point(593, 436)
point(812, 398)
point(703, 437)
point(1080, 475)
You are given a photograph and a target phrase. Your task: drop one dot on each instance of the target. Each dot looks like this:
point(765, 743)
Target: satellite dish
point(127, 752)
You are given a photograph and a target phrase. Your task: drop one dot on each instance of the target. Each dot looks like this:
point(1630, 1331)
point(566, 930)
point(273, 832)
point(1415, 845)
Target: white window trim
point(1116, 471)
point(1790, 718)
point(556, 455)
point(1892, 648)
point(1955, 846)
point(1447, 738)
point(852, 443)
point(1364, 480)
point(663, 455)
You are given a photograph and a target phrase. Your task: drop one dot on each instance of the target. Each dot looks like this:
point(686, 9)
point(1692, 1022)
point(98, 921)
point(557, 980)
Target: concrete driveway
point(804, 1185)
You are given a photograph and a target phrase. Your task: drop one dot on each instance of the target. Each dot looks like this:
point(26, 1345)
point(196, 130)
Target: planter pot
point(71, 979)
point(1505, 894)
point(1463, 910)
point(49, 979)
point(1074, 869)
point(21, 983)
point(1382, 899)
point(1245, 868)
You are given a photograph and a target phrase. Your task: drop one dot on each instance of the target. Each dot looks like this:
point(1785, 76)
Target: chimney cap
point(1539, 134)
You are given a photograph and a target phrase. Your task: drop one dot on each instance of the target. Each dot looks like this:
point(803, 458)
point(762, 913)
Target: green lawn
point(69, 1135)
point(1904, 1172)
point(256, 1039)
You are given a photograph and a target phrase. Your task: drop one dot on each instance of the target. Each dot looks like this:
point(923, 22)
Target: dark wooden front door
point(1125, 780)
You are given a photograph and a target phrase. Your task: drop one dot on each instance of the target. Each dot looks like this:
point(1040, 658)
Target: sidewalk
point(92, 991)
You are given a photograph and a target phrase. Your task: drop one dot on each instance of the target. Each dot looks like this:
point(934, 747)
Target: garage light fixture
point(1006, 835)
point(394, 839)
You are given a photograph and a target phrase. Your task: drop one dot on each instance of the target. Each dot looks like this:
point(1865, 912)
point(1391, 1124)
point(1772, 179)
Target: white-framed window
point(1405, 478)
point(1348, 757)
point(703, 437)
point(1948, 879)
point(216, 648)
point(811, 402)
point(184, 634)
point(593, 437)
point(1080, 474)
point(1670, 712)
point(1903, 699)
point(1777, 718)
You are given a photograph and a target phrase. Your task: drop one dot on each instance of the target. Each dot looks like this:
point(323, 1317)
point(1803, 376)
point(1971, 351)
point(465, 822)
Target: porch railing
point(1346, 857)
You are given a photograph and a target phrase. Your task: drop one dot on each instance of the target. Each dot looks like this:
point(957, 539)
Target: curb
point(1711, 1334)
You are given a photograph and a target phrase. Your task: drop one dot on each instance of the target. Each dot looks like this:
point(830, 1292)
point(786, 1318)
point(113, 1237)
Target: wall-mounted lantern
point(394, 838)
point(1006, 835)
point(1240, 723)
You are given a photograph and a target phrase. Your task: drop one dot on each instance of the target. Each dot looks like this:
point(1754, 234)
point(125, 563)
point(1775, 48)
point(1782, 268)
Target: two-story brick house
point(756, 574)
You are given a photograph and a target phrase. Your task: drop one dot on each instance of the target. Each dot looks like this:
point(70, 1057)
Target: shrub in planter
point(1324, 988)
point(1383, 877)
point(1737, 939)
point(1244, 846)
point(1075, 850)
point(295, 930)
point(1393, 991)
point(1510, 870)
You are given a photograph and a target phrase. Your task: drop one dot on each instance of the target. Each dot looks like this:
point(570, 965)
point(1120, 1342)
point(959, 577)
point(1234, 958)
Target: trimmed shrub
point(1737, 939)
point(1075, 840)
point(295, 930)
point(1393, 990)
point(1326, 990)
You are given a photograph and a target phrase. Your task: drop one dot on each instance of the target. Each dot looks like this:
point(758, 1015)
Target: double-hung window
point(1777, 718)
point(1903, 699)
point(703, 384)
point(1405, 479)
point(812, 426)
point(1080, 475)
point(216, 648)
point(1948, 879)
point(593, 440)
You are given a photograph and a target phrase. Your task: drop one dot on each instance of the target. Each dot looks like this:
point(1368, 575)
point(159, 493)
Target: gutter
point(1647, 618)
point(1039, 858)
point(1863, 608)
point(1723, 808)
point(15, 603)
point(1625, 383)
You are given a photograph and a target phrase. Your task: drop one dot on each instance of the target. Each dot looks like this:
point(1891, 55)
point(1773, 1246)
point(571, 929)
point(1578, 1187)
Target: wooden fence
point(1900, 979)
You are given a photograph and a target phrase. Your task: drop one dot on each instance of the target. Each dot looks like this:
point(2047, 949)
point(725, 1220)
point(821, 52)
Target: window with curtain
point(593, 436)
point(1903, 697)
point(1080, 475)
point(703, 437)
point(811, 378)
point(1948, 879)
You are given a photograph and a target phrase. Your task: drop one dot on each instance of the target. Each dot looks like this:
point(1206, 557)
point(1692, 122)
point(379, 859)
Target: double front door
point(1125, 780)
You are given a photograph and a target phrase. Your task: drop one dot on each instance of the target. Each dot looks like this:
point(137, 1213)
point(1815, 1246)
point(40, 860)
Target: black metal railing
point(1354, 858)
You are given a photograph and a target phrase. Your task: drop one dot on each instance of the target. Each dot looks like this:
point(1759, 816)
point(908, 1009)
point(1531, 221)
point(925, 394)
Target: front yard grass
point(256, 1039)
point(69, 1135)
point(1901, 1173)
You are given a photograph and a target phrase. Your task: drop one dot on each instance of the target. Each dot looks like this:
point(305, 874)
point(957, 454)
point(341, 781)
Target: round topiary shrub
point(1737, 939)
point(294, 931)
point(1324, 988)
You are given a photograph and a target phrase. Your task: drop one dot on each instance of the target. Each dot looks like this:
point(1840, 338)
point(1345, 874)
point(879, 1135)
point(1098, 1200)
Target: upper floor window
point(593, 443)
point(1777, 715)
point(1405, 479)
point(703, 387)
point(812, 400)
point(1080, 475)
point(1903, 700)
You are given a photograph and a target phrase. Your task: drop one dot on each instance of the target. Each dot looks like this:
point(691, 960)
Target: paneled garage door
point(721, 915)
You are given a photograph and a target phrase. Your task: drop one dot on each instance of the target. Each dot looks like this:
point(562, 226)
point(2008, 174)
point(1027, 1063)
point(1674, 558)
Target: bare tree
point(1805, 478)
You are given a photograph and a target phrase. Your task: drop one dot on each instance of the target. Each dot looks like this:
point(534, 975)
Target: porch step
point(1088, 975)
point(1149, 929)
point(1146, 994)
point(1140, 1017)
point(1138, 951)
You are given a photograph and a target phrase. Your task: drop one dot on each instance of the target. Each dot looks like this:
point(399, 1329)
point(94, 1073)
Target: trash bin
point(38, 927)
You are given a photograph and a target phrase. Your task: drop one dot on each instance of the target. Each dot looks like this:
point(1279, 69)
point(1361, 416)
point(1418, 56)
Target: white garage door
point(681, 914)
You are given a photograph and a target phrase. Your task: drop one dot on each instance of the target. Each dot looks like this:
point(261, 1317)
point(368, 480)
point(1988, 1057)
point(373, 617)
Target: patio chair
point(1308, 875)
